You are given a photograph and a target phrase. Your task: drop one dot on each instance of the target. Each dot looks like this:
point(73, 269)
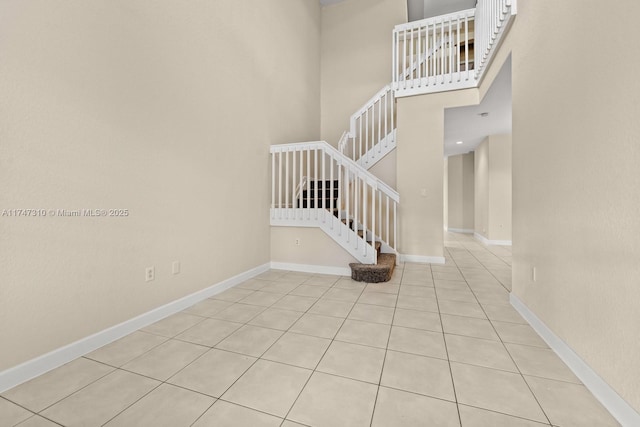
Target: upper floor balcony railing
point(448, 52)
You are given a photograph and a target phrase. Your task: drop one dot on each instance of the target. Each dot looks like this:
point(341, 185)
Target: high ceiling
point(469, 125)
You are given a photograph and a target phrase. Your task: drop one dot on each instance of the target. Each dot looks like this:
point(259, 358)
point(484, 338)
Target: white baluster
point(280, 184)
point(273, 185)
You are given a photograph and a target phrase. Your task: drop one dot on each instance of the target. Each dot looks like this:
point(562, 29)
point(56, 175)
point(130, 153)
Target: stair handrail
point(300, 187)
point(370, 178)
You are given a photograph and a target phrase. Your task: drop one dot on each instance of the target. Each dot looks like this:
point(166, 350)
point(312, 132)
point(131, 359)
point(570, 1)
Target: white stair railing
point(372, 129)
point(445, 43)
point(492, 20)
point(341, 197)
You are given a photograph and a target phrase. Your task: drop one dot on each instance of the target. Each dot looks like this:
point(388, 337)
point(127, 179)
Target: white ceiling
point(465, 123)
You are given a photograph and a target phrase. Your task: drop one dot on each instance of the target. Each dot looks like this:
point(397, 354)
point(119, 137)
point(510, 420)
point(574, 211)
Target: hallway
point(439, 345)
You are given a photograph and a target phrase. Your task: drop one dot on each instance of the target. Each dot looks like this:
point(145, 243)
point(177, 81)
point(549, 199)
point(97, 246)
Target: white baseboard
point(488, 242)
point(461, 230)
point(310, 268)
point(42, 364)
point(422, 259)
point(611, 400)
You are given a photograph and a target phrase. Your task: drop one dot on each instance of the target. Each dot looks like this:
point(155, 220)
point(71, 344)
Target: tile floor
point(437, 346)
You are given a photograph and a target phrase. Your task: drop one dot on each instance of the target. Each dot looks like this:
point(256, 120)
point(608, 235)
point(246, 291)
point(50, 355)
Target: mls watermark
point(65, 213)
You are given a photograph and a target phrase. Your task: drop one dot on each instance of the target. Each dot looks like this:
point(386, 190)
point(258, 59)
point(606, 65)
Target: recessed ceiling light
point(459, 142)
point(485, 114)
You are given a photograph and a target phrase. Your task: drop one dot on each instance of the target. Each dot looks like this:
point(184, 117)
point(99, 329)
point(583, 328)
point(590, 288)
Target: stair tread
point(374, 273)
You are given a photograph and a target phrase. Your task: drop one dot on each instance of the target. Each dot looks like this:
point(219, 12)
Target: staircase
point(317, 185)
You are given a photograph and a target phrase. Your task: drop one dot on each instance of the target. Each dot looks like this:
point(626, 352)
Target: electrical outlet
point(149, 274)
point(533, 274)
point(175, 267)
point(298, 242)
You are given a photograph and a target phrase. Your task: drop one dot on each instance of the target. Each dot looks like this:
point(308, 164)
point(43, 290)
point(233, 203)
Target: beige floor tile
point(353, 361)
point(348, 283)
point(378, 298)
point(479, 352)
point(127, 348)
point(454, 285)
point(503, 313)
point(518, 334)
point(253, 284)
point(295, 303)
point(225, 414)
point(456, 295)
point(263, 299)
point(268, 387)
point(569, 405)
point(271, 275)
point(97, 403)
point(418, 374)
point(372, 313)
point(385, 288)
point(417, 277)
point(417, 291)
point(166, 406)
point(37, 421)
point(541, 362)
point(213, 373)
point(347, 295)
point(276, 319)
point(494, 297)
point(173, 325)
point(447, 275)
point(417, 303)
point(239, 313)
point(304, 351)
point(457, 308)
point(322, 280)
point(476, 417)
point(315, 291)
point(332, 308)
point(330, 401)
point(165, 360)
point(399, 409)
point(366, 333)
point(57, 384)
point(250, 340)
point(233, 294)
point(495, 390)
point(11, 414)
point(209, 332)
point(417, 341)
point(281, 287)
point(417, 319)
point(288, 423)
point(468, 326)
point(317, 325)
point(207, 307)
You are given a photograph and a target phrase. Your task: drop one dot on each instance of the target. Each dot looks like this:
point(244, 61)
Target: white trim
point(611, 400)
point(310, 268)
point(461, 230)
point(42, 364)
point(488, 242)
point(422, 259)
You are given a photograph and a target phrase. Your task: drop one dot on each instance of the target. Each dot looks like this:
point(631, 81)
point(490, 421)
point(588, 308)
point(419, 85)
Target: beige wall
point(493, 188)
point(576, 180)
point(460, 192)
point(356, 57)
point(420, 169)
point(445, 186)
point(166, 110)
point(481, 160)
point(315, 248)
